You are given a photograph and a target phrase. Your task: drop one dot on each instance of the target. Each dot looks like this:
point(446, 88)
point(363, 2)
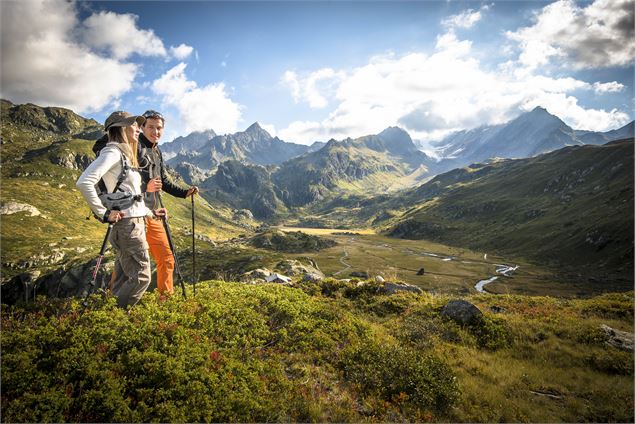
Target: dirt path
point(347, 265)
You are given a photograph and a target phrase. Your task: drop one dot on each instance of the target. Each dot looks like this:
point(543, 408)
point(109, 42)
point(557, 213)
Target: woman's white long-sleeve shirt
point(108, 166)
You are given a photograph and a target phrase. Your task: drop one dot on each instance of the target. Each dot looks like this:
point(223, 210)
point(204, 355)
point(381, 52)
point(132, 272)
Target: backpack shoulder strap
point(124, 172)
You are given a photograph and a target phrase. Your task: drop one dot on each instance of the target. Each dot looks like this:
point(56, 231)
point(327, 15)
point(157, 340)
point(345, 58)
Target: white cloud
point(119, 34)
point(43, 63)
point(314, 88)
point(181, 52)
point(465, 19)
point(200, 108)
point(432, 95)
point(596, 36)
point(607, 87)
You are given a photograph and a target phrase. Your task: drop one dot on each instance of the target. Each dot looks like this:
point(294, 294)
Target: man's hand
point(154, 185)
point(161, 212)
point(192, 191)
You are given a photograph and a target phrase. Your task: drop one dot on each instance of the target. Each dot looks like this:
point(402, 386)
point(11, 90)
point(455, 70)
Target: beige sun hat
point(122, 119)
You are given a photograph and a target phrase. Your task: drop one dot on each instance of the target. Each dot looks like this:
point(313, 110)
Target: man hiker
point(155, 179)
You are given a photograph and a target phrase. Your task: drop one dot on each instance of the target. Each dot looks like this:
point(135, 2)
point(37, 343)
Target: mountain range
point(528, 135)
point(254, 145)
point(372, 164)
point(575, 202)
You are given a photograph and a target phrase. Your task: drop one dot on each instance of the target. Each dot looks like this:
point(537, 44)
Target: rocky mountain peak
point(256, 130)
point(540, 117)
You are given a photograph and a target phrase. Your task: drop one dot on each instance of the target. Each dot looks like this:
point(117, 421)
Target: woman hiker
point(117, 166)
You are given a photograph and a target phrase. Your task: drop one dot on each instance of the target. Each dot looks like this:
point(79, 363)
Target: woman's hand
point(161, 212)
point(115, 216)
point(154, 185)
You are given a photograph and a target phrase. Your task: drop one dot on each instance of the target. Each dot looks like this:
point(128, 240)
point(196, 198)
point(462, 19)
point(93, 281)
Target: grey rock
point(10, 208)
point(622, 340)
point(312, 278)
point(359, 274)
point(278, 278)
point(461, 311)
point(392, 288)
point(242, 214)
point(260, 273)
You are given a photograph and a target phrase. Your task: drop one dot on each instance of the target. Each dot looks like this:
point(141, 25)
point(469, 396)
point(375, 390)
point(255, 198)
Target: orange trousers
point(162, 254)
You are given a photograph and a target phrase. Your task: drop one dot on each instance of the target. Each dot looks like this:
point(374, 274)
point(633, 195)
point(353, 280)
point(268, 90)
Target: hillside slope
point(571, 207)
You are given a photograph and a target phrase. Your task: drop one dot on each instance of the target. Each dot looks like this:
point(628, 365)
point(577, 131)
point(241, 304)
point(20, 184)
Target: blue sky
point(310, 71)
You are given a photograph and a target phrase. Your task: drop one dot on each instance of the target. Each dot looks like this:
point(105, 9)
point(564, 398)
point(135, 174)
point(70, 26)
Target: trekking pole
point(97, 265)
point(193, 249)
point(176, 261)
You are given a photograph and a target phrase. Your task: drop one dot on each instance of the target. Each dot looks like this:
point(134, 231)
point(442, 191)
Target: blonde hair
point(129, 149)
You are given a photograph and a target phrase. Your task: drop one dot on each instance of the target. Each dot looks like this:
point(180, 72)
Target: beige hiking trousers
point(132, 264)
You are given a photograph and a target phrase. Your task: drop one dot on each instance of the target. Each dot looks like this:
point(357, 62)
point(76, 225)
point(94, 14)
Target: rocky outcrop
point(10, 208)
point(622, 340)
point(72, 282)
point(291, 242)
point(295, 268)
point(72, 160)
point(392, 288)
point(462, 312)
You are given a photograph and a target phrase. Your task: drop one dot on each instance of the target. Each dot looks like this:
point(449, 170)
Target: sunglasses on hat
point(153, 114)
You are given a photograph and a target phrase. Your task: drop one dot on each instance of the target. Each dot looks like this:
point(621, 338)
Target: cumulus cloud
point(200, 108)
point(465, 19)
point(596, 36)
point(607, 87)
point(181, 52)
point(433, 95)
point(43, 63)
point(119, 34)
point(313, 89)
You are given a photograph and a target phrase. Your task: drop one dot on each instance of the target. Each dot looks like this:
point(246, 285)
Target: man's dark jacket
point(151, 164)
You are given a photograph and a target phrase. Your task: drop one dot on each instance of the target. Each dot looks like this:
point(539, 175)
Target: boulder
point(461, 311)
point(379, 279)
point(392, 288)
point(278, 278)
point(260, 273)
point(312, 278)
point(242, 214)
point(622, 340)
point(359, 274)
point(10, 208)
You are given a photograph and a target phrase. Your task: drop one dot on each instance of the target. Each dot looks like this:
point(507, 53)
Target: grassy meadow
point(318, 352)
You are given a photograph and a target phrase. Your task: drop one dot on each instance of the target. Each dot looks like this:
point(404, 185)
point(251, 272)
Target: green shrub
point(490, 332)
point(394, 372)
